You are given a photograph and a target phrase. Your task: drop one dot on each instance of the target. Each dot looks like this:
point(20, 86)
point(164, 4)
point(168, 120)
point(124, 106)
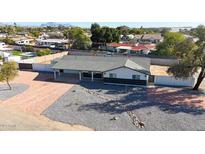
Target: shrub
point(27, 48)
point(44, 52)
point(16, 53)
point(8, 41)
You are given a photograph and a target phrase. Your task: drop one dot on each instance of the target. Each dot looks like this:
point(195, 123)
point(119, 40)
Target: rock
point(114, 118)
point(141, 124)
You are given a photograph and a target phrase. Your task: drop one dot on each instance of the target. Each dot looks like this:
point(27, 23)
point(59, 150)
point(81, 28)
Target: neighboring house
point(131, 48)
point(2, 44)
point(178, 29)
point(192, 38)
point(7, 56)
point(3, 35)
point(43, 36)
point(53, 43)
point(5, 47)
point(151, 38)
point(118, 70)
point(144, 38)
point(13, 58)
point(24, 42)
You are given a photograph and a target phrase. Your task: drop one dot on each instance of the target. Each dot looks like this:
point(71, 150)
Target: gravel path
point(106, 107)
point(6, 93)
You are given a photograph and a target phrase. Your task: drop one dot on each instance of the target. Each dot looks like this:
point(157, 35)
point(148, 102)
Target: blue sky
point(115, 24)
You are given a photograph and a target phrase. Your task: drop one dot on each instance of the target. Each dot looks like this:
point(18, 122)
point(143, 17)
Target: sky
point(116, 24)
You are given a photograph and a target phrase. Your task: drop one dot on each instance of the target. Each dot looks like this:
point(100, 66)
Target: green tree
point(8, 41)
point(192, 59)
point(168, 46)
point(27, 48)
point(78, 38)
point(108, 35)
point(94, 26)
point(8, 72)
point(103, 35)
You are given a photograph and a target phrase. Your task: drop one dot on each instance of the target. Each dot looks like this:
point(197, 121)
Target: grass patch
point(16, 53)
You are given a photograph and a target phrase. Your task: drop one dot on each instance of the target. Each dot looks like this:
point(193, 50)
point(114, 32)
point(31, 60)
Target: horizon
point(116, 24)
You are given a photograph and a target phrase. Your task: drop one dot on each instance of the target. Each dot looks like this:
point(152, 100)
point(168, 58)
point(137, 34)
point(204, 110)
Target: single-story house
point(25, 41)
point(151, 38)
point(2, 44)
point(5, 47)
point(131, 48)
point(52, 43)
point(118, 70)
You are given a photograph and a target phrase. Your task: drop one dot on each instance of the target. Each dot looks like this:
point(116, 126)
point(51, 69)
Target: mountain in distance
point(55, 24)
point(5, 24)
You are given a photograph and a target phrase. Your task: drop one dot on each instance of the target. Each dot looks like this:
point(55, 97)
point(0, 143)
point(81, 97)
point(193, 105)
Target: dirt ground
point(24, 110)
point(13, 119)
point(159, 70)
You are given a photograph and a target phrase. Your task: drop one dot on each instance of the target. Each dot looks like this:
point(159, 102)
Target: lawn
point(16, 53)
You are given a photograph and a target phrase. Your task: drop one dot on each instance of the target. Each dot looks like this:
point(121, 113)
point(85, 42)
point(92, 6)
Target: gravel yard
point(6, 93)
point(107, 107)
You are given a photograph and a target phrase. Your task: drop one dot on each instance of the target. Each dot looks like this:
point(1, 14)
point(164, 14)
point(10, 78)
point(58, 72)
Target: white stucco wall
point(172, 81)
point(42, 67)
point(125, 73)
point(14, 58)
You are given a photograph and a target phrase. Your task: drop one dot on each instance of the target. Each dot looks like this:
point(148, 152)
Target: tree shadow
point(5, 88)
point(169, 100)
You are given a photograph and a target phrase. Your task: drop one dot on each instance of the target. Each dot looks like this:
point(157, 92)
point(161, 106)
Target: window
point(112, 75)
point(136, 77)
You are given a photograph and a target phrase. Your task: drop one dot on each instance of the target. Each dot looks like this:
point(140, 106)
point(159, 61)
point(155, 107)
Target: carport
point(81, 74)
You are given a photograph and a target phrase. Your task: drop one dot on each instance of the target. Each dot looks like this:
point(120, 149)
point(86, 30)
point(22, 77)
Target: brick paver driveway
point(42, 92)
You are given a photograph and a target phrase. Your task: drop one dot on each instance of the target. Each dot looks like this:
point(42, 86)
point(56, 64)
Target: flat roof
point(102, 63)
point(53, 40)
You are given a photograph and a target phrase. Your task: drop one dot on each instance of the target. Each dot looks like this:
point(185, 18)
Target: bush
point(16, 53)
point(27, 48)
point(8, 41)
point(44, 52)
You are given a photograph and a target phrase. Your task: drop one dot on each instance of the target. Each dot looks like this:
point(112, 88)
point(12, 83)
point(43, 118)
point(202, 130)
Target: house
point(151, 38)
point(179, 29)
point(53, 43)
point(22, 41)
point(5, 47)
point(143, 38)
point(3, 35)
point(117, 70)
point(2, 44)
point(131, 48)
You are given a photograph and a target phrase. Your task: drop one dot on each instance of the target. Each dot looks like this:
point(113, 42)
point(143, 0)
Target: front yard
point(106, 107)
point(31, 94)
point(97, 106)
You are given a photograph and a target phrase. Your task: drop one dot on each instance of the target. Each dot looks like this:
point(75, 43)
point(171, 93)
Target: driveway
point(42, 91)
point(31, 94)
point(106, 107)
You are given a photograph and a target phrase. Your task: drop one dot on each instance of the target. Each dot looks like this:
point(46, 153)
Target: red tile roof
point(139, 47)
